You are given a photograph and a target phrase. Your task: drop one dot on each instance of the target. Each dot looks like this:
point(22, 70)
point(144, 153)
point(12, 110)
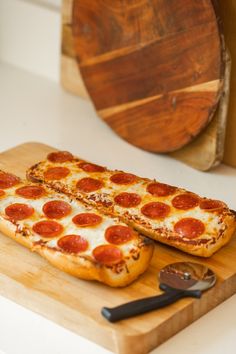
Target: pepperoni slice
point(73, 244)
point(107, 254)
point(189, 228)
point(60, 156)
point(87, 219)
point(118, 234)
point(47, 228)
point(127, 200)
point(2, 193)
point(160, 189)
point(211, 204)
point(88, 184)
point(56, 173)
point(123, 178)
point(7, 180)
point(56, 209)
point(185, 201)
point(91, 167)
point(19, 211)
point(155, 210)
point(31, 192)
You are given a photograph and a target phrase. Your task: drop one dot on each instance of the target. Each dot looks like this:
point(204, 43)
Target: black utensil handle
point(141, 306)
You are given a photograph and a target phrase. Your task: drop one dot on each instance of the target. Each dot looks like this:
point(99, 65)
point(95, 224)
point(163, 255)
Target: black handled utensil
point(177, 280)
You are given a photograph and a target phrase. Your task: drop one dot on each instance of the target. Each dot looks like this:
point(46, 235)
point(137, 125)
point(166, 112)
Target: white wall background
point(56, 4)
point(30, 35)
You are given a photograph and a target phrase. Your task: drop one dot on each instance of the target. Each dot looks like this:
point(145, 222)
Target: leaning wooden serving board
point(206, 150)
point(76, 304)
point(153, 69)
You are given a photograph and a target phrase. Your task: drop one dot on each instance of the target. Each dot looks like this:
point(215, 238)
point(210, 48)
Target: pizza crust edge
point(85, 268)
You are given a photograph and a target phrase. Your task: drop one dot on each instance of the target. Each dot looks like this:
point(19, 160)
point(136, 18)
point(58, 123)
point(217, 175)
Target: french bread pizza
point(70, 235)
point(162, 212)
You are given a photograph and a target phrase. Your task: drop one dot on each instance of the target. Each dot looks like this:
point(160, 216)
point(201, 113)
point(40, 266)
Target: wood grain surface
point(153, 69)
point(204, 152)
point(228, 15)
point(207, 149)
point(29, 280)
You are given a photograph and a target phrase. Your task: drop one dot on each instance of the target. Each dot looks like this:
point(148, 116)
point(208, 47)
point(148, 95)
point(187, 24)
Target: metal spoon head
point(187, 276)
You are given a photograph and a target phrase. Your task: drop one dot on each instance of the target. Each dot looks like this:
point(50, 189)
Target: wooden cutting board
point(29, 280)
point(228, 15)
point(153, 69)
point(206, 150)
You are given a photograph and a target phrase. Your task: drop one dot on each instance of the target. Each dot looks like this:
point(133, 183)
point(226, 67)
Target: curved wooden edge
point(207, 150)
point(203, 153)
point(228, 14)
point(40, 150)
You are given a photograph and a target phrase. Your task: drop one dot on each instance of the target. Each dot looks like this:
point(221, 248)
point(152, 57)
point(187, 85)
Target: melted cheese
point(94, 235)
point(213, 221)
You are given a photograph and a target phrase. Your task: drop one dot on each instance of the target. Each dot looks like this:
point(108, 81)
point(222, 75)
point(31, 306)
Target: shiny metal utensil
point(177, 280)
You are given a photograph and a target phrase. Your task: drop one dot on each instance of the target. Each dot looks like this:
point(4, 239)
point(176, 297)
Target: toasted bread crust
point(82, 267)
point(199, 247)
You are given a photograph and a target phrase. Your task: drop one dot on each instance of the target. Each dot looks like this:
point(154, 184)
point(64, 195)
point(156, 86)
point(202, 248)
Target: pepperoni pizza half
point(73, 237)
point(171, 215)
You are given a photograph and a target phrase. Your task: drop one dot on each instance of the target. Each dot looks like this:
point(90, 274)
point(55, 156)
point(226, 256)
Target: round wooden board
point(153, 68)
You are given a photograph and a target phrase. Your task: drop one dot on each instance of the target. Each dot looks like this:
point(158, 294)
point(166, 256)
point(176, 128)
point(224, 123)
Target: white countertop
point(33, 108)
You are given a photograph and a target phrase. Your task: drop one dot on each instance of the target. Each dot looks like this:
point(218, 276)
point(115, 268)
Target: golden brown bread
point(136, 253)
point(168, 214)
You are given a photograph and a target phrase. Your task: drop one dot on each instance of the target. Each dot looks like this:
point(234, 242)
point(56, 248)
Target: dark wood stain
point(130, 50)
point(165, 122)
point(158, 68)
